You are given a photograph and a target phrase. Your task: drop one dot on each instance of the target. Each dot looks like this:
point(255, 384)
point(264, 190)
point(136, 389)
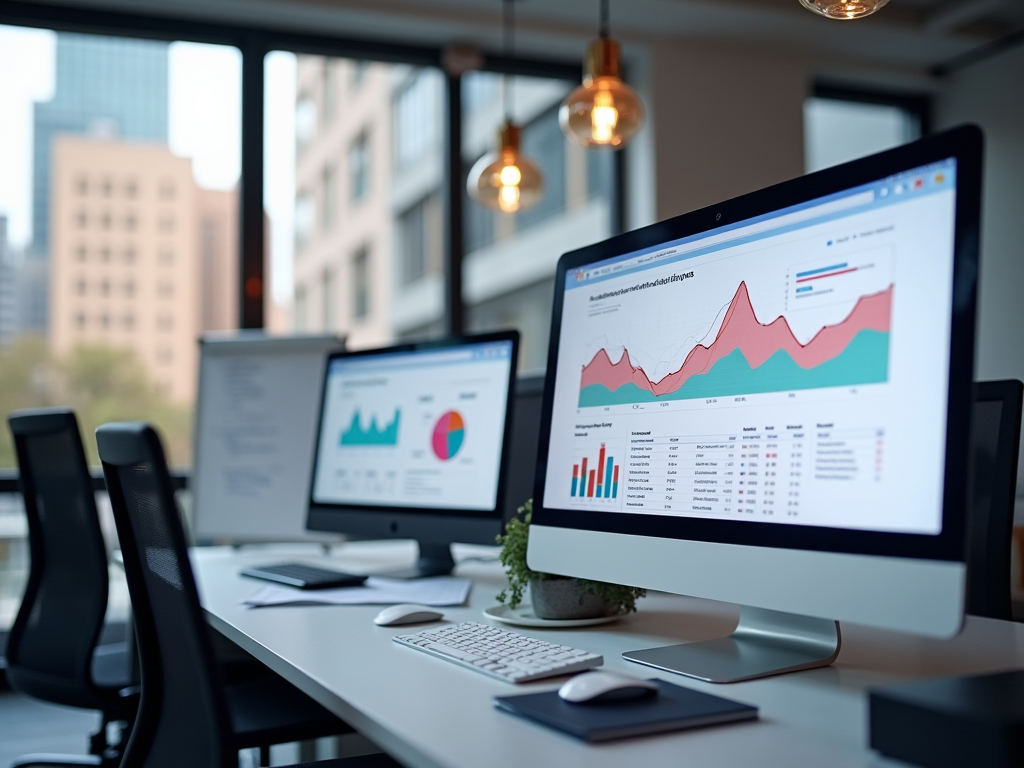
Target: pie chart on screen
point(448, 435)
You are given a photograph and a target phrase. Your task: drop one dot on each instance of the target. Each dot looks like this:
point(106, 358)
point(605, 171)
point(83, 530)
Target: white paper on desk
point(377, 590)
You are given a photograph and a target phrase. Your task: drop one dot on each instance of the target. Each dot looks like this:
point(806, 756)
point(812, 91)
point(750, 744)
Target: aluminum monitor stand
point(764, 643)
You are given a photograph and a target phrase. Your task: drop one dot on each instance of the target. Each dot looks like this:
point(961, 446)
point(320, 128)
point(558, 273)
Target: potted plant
point(556, 597)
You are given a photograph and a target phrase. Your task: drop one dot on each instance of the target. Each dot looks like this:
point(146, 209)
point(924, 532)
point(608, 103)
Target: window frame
point(254, 43)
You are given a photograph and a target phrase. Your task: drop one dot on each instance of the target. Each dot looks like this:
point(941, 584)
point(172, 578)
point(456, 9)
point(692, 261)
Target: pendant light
point(844, 10)
point(506, 180)
point(603, 111)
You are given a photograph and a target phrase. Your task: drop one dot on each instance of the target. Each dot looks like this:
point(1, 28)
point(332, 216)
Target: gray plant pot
point(565, 599)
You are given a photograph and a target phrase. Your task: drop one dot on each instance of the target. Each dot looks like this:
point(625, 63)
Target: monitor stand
point(764, 643)
point(434, 560)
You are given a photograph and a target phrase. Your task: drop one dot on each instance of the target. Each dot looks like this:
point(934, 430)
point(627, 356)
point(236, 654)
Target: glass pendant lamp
point(506, 180)
point(603, 111)
point(844, 10)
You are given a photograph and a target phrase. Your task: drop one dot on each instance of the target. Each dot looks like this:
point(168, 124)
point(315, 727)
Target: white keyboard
point(499, 653)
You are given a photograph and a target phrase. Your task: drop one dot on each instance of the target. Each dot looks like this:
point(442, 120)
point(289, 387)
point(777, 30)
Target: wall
point(728, 120)
point(991, 94)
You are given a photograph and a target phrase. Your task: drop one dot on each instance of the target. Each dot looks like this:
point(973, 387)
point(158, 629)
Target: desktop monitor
point(767, 402)
point(412, 443)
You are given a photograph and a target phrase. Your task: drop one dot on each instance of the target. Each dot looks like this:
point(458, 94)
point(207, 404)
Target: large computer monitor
point(767, 402)
point(412, 443)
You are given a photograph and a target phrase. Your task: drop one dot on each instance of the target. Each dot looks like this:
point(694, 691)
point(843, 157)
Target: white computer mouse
point(406, 614)
point(600, 686)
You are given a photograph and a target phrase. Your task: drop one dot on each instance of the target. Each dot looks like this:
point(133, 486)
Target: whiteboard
point(256, 424)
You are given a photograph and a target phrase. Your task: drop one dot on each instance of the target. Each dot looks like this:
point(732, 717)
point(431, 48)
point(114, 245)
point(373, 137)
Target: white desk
point(429, 712)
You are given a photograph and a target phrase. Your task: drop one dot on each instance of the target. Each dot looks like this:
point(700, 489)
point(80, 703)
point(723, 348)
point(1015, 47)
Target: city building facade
point(141, 257)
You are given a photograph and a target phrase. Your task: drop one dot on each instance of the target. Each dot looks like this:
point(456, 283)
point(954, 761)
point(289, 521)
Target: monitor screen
point(790, 368)
point(415, 428)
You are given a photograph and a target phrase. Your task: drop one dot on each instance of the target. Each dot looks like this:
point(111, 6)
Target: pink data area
point(757, 341)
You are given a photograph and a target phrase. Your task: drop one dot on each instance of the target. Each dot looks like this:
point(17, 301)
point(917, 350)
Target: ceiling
point(911, 34)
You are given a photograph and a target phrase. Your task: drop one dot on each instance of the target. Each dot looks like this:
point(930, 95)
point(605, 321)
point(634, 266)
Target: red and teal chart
point(449, 433)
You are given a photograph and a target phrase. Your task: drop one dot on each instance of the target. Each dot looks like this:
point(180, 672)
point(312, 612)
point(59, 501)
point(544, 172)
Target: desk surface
point(427, 712)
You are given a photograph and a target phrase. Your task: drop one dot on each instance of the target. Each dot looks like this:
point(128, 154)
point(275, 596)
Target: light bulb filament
point(603, 117)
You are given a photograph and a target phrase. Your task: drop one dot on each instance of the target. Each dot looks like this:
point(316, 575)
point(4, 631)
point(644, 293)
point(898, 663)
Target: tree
point(100, 384)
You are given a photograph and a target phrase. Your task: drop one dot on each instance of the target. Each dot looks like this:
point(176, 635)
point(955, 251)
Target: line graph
point(748, 357)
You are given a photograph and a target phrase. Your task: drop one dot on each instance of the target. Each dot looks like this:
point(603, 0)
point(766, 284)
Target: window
point(359, 166)
point(83, 219)
point(361, 284)
point(359, 68)
point(80, 286)
point(165, 323)
point(104, 288)
point(107, 187)
point(480, 90)
point(842, 125)
point(415, 227)
point(105, 220)
point(328, 197)
point(80, 320)
point(130, 222)
point(327, 300)
point(305, 122)
point(82, 185)
point(131, 189)
point(416, 119)
point(128, 321)
point(167, 224)
point(165, 290)
point(166, 257)
point(129, 289)
point(330, 92)
point(167, 190)
point(304, 219)
point(81, 252)
point(105, 254)
point(129, 255)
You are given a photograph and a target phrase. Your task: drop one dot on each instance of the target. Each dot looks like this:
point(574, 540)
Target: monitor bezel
point(964, 144)
point(423, 523)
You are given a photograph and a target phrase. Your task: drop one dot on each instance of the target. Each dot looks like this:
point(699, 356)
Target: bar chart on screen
point(595, 473)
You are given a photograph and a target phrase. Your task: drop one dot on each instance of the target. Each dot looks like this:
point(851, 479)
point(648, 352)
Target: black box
point(952, 722)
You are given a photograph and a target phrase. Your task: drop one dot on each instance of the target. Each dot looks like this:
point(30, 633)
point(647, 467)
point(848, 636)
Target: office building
point(141, 256)
point(105, 86)
point(369, 210)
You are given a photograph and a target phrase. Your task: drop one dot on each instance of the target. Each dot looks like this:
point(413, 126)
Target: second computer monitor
point(413, 442)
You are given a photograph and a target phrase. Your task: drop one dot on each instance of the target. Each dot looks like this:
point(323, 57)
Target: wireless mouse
point(406, 614)
point(600, 686)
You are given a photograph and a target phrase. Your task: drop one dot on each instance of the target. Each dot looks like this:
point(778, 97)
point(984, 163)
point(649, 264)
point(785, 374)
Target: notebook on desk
point(674, 708)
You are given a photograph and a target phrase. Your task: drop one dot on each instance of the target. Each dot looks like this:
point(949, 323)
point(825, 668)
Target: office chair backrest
point(992, 484)
point(183, 716)
point(522, 464)
point(49, 651)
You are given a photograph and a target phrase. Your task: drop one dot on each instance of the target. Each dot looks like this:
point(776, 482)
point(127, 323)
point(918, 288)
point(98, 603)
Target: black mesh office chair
point(52, 651)
point(992, 486)
point(187, 717)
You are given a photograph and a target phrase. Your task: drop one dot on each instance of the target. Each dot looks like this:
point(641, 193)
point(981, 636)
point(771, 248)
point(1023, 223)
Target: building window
point(167, 190)
point(328, 198)
point(104, 321)
point(300, 309)
point(80, 286)
point(416, 240)
point(361, 284)
point(131, 189)
point(167, 224)
point(305, 218)
point(105, 254)
point(359, 166)
point(82, 185)
point(165, 290)
point(327, 300)
point(129, 288)
point(83, 219)
point(105, 220)
point(330, 96)
point(544, 142)
point(81, 252)
point(128, 321)
point(129, 255)
point(165, 323)
point(108, 188)
point(165, 356)
point(104, 288)
point(166, 257)
point(80, 320)
point(130, 222)
point(359, 68)
point(305, 122)
point(479, 90)
point(416, 126)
